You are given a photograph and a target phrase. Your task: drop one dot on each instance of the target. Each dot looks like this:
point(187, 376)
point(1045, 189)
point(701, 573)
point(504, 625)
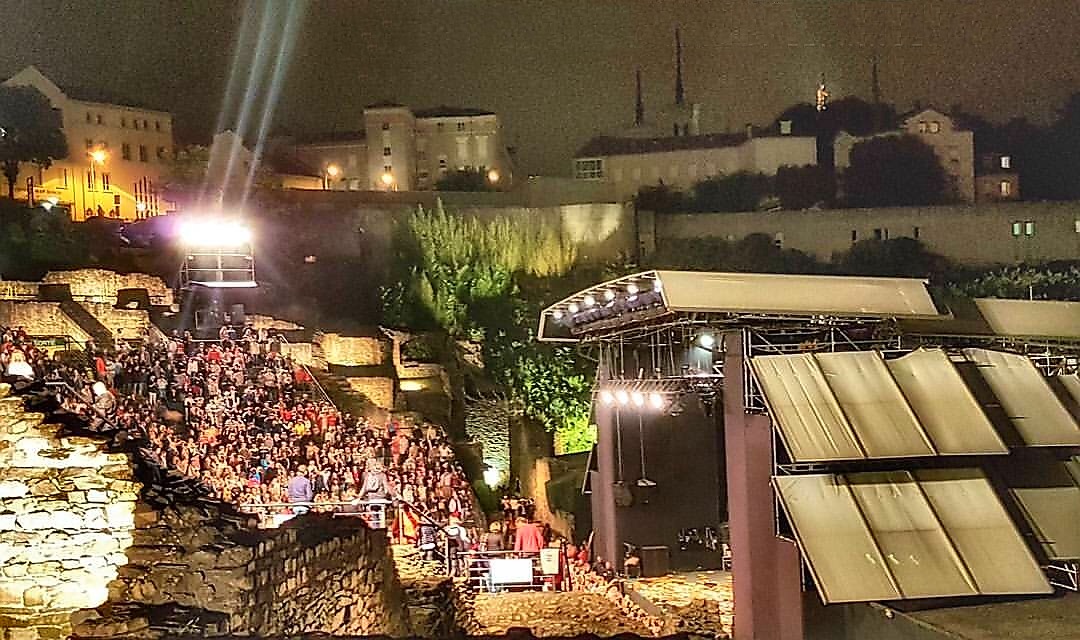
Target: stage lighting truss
point(644, 396)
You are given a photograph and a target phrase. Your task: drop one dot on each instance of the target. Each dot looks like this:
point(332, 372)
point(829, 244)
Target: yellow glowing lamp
point(99, 156)
point(493, 176)
point(140, 206)
point(387, 178)
point(333, 170)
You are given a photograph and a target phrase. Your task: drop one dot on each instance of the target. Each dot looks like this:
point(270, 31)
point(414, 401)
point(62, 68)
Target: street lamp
point(332, 171)
point(493, 176)
point(387, 179)
point(98, 157)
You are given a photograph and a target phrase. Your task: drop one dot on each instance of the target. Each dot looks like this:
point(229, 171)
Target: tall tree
point(30, 131)
point(894, 171)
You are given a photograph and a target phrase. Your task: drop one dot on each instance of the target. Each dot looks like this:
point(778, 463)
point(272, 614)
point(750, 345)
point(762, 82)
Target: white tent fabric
point(945, 406)
point(1054, 514)
point(1031, 405)
point(1035, 318)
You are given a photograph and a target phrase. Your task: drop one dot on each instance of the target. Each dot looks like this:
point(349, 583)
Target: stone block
point(34, 596)
point(7, 522)
point(96, 495)
point(12, 489)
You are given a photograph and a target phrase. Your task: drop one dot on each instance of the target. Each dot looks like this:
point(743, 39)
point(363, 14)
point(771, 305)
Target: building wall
point(144, 136)
point(682, 168)
point(390, 129)
point(460, 141)
point(987, 234)
point(997, 187)
point(349, 156)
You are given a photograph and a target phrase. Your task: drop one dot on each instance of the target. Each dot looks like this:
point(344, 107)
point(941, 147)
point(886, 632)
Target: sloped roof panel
point(880, 416)
point(1027, 398)
point(811, 421)
point(944, 404)
point(690, 291)
point(1071, 382)
point(1031, 318)
point(1054, 514)
point(832, 534)
point(910, 536)
point(987, 540)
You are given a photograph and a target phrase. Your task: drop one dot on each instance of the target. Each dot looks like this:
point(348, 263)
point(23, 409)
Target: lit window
point(461, 126)
point(1029, 227)
point(1017, 228)
point(590, 169)
point(125, 151)
point(104, 182)
point(778, 240)
point(386, 151)
point(1006, 162)
point(1076, 225)
point(1005, 188)
point(922, 126)
point(90, 181)
point(142, 153)
point(935, 127)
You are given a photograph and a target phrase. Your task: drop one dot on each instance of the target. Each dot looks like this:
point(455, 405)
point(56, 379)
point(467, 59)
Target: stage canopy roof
point(1048, 319)
point(650, 294)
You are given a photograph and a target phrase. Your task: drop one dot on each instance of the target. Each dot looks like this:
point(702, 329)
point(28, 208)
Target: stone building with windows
point(952, 144)
point(399, 149)
point(117, 153)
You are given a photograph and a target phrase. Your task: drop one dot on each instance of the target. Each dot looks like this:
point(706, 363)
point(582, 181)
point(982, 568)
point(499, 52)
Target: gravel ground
point(553, 614)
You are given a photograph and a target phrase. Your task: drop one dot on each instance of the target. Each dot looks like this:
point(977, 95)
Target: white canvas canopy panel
point(812, 424)
point(870, 398)
point(796, 294)
point(881, 536)
point(910, 536)
point(1071, 382)
point(1031, 318)
point(1054, 514)
point(998, 559)
point(1032, 407)
point(835, 539)
point(944, 405)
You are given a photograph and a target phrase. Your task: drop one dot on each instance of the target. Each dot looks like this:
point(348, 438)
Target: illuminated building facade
point(117, 153)
point(399, 149)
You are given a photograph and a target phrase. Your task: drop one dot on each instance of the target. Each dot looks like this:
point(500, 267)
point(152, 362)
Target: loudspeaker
point(655, 561)
point(54, 292)
point(133, 299)
point(237, 315)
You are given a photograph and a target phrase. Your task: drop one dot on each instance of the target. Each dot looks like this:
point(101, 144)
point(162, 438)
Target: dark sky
point(559, 70)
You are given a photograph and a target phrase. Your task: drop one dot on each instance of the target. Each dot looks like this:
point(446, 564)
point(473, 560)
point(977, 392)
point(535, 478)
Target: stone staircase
point(88, 323)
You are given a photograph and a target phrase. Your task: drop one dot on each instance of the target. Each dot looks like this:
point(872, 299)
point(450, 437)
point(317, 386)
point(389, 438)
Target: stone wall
point(353, 351)
point(18, 290)
point(99, 285)
point(971, 235)
point(268, 322)
point(379, 390)
point(487, 421)
point(66, 517)
point(128, 323)
point(41, 319)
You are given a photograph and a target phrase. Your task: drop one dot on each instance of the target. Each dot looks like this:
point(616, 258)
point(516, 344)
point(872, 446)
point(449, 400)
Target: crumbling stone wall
point(126, 322)
point(66, 518)
point(41, 318)
point(99, 285)
point(379, 390)
point(353, 351)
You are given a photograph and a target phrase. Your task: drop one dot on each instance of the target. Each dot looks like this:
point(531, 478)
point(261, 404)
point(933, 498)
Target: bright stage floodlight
point(214, 234)
point(607, 397)
point(656, 400)
point(639, 399)
point(622, 396)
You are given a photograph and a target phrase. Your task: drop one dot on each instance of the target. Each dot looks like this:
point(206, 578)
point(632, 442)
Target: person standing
point(299, 491)
point(528, 537)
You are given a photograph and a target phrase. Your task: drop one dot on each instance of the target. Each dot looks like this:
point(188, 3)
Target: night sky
point(558, 71)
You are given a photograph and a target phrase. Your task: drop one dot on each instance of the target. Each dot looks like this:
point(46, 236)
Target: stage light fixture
point(214, 234)
point(622, 396)
point(656, 400)
point(607, 397)
point(707, 340)
point(589, 301)
point(632, 289)
point(558, 315)
point(573, 308)
point(638, 398)
point(609, 295)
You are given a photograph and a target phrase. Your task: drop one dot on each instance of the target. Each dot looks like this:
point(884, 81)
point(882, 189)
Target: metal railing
point(504, 570)
point(372, 512)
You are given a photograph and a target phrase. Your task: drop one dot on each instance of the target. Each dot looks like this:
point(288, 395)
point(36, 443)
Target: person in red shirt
point(528, 537)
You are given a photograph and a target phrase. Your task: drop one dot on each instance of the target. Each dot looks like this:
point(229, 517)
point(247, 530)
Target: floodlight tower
point(219, 257)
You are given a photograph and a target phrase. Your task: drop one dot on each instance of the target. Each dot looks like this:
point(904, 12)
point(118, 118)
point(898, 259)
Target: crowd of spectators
point(253, 426)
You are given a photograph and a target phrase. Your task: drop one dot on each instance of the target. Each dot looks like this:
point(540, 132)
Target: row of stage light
point(589, 303)
point(637, 399)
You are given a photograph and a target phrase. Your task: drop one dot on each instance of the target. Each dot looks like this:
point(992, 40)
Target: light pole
point(332, 171)
point(97, 158)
